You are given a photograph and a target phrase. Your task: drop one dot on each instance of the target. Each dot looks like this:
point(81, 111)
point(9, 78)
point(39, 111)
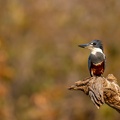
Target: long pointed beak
point(83, 45)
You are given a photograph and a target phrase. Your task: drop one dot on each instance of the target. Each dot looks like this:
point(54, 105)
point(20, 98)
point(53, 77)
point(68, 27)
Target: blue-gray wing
point(89, 63)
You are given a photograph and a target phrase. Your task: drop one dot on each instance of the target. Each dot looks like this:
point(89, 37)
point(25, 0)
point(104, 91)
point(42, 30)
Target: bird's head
point(92, 45)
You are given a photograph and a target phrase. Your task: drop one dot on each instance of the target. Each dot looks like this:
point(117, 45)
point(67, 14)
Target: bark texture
point(101, 90)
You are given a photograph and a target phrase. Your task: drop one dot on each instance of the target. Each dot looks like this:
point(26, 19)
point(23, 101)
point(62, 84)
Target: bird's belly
point(98, 69)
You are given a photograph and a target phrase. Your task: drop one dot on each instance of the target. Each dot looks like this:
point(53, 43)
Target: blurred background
point(40, 57)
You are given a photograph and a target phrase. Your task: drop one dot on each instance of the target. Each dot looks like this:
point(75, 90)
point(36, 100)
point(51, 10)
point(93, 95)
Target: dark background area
point(40, 57)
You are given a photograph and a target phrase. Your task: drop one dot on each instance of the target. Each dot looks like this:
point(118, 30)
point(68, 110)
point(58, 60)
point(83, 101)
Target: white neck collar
point(95, 50)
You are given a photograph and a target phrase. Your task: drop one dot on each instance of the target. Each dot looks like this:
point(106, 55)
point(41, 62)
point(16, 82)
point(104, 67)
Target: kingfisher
point(96, 59)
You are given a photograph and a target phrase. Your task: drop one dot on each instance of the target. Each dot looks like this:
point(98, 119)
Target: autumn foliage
point(40, 58)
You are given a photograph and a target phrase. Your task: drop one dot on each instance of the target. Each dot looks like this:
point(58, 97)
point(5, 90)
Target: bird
point(96, 59)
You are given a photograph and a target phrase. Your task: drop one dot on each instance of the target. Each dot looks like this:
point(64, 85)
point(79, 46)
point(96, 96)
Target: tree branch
point(101, 90)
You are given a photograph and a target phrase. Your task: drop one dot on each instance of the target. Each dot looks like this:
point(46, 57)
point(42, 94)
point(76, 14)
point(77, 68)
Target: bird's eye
point(94, 43)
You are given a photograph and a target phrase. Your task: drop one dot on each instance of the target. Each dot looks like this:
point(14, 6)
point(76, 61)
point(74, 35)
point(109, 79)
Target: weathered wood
point(101, 90)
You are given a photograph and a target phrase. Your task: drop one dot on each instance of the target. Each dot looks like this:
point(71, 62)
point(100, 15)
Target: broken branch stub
point(101, 90)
